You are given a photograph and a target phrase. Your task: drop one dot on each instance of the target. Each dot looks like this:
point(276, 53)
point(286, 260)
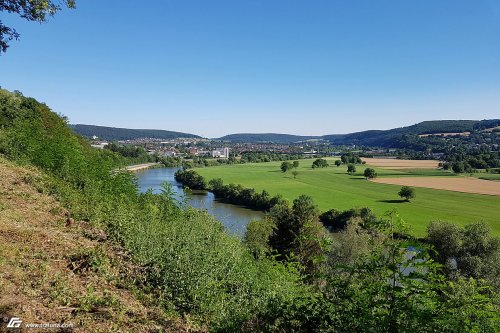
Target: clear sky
point(214, 67)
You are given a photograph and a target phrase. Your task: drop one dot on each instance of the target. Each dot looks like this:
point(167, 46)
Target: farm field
point(332, 187)
point(389, 163)
point(460, 184)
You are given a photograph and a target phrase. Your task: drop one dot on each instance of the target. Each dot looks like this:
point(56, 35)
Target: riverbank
point(138, 167)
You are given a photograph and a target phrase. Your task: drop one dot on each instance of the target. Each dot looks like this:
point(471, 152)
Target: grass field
point(487, 176)
point(332, 187)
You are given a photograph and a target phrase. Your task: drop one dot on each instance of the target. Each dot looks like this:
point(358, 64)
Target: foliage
point(393, 285)
point(351, 169)
point(470, 251)
point(370, 173)
point(257, 237)
point(133, 154)
point(336, 220)
point(350, 158)
point(30, 10)
point(191, 179)
point(407, 193)
point(297, 234)
point(266, 156)
point(285, 166)
point(239, 195)
point(320, 163)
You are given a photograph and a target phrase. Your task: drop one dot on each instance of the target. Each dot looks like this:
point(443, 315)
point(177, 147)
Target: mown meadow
point(332, 187)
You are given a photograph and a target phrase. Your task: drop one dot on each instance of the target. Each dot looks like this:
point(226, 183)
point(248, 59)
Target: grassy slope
point(55, 270)
point(333, 188)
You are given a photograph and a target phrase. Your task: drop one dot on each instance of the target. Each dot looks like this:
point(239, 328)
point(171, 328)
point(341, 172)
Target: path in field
point(459, 184)
point(390, 163)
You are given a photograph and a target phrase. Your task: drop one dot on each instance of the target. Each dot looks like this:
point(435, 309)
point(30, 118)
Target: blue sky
point(214, 67)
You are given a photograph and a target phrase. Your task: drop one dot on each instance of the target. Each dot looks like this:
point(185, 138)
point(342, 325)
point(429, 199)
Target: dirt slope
point(56, 270)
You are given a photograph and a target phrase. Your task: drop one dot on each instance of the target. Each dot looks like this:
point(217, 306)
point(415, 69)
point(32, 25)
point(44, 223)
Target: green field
point(332, 187)
point(487, 176)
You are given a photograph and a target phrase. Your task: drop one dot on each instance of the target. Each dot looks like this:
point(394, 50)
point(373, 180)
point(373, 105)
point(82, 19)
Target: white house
point(220, 153)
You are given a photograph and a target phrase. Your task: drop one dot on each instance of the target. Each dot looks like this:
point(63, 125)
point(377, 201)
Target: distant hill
point(392, 137)
point(114, 133)
point(266, 137)
point(381, 138)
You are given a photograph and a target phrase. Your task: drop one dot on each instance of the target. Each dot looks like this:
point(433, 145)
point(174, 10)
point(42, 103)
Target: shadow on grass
point(398, 201)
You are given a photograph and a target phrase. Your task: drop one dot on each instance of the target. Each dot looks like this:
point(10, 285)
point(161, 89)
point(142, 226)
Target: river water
point(234, 217)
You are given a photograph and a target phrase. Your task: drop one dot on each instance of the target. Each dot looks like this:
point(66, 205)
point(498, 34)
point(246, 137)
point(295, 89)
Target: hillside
point(392, 137)
point(383, 138)
point(266, 137)
point(57, 270)
point(115, 133)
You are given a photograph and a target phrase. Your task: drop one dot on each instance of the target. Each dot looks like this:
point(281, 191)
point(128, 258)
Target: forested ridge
point(115, 134)
point(395, 138)
point(288, 274)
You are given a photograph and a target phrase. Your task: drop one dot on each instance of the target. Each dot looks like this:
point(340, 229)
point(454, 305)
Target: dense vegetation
point(266, 156)
point(290, 275)
point(115, 134)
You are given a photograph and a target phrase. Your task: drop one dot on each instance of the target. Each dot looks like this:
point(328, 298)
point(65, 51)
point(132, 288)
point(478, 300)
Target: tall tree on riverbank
point(298, 233)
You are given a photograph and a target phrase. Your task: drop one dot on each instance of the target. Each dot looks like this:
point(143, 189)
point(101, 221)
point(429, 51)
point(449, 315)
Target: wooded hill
point(115, 133)
point(382, 138)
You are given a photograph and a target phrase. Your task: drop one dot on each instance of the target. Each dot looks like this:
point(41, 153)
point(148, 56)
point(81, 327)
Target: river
point(234, 218)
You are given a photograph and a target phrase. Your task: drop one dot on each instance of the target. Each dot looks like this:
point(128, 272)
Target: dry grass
point(458, 184)
point(55, 270)
point(389, 163)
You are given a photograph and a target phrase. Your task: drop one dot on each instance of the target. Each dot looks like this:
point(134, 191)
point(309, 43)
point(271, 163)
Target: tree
point(295, 164)
point(458, 167)
point(320, 163)
point(351, 169)
point(471, 252)
point(407, 193)
point(297, 234)
point(338, 163)
point(285, 166)
point(256, 237)
point(31, 10)
point(370, 173)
